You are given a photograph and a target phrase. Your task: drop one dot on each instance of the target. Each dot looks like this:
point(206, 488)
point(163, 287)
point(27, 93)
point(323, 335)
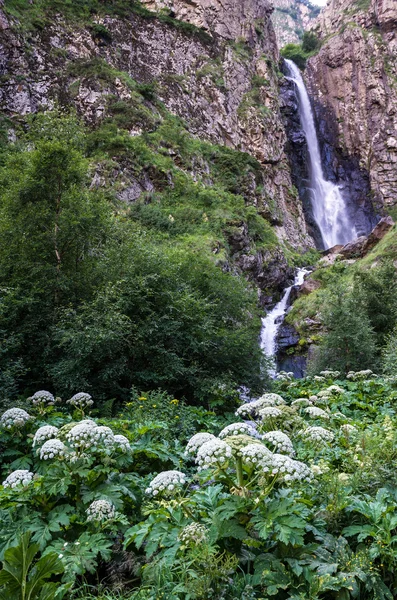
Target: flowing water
point(329, 208)
point(273, 320)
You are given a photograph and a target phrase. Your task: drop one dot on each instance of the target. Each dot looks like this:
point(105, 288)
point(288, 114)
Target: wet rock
point(287, 337)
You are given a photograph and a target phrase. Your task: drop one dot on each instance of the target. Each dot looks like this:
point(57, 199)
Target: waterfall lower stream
point(273, 320)
point(328, 205)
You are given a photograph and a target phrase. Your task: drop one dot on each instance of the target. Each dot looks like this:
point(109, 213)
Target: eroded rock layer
point(353, 81)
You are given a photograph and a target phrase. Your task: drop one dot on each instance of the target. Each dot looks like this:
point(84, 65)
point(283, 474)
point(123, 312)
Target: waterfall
point(329, 207)
point(273, 320)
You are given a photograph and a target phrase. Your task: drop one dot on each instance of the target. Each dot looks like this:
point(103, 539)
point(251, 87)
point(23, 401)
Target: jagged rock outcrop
point(219, 75)
point(353, 81)
point(291, 18)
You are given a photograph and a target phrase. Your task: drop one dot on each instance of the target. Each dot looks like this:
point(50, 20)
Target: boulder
point(377, 234)
point(308, 286)
point(354, 248)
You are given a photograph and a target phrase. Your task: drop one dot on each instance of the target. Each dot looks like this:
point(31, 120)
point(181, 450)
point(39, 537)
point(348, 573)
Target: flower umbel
point(18, 477)
point(166, 482)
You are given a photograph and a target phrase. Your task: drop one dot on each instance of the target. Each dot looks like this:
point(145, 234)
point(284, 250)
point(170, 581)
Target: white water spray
point(329, 208)
point(273, 320)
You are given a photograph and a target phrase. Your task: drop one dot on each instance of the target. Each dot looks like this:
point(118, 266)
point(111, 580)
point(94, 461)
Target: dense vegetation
point(354, 314)
point(100, 296)
point(300, 53)
point(298, 504)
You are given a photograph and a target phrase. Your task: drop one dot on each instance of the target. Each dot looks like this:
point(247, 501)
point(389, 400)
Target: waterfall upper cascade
point(271, 323)
point(329, 207)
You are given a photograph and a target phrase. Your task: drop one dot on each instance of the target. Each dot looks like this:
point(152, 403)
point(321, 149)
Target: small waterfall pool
point(273, 320)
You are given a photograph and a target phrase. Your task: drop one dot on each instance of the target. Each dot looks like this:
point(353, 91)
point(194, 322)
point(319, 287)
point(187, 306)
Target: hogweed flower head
point(51, 449)
point(166, 483)
point(280, 441)
point(255, 455)
point(269, 412)
point(317, 434)
point(14, 417)
point(196, 442)
point(360, 375)
point(100, 510)
point(18, 477)
point(46, 432)
point(335, 389)
point(348, 429)
point(316, 413)
point(290, 470)
point(193, 534)
point(237, 429)
point(104, 437)
point(330, 374)
point(82, 436)
point(214, 452)
point(82, 400)
point(122, 442)
point(42, 398)
point(301, 402)
point(245, 411)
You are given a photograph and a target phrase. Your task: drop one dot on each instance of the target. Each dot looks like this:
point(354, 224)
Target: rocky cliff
point(212, 64)
point(353, 81)
point(291, 18)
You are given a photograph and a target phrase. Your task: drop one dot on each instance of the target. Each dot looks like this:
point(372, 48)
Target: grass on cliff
point(37, 14)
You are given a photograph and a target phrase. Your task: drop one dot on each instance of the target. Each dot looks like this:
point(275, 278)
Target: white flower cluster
point(214, 452)
point(100, 510)
point(301, 402)
point(348, 429)
point(289, 469)
point(81, 401)
point(323, 397)
point(193, 534)
point(103, 437)
point(196, 442)
point(42, 397)
point(19, 477)
point(335, 389)
point(46, 432)
point(237, 429)
point(252, 408)
point(255, 455)
point(360, 375)
point(318, 379)
point(318, 434)
point(52, 448)
point(166, 482)
point(316, 413)
point(122, 443)
point(280, 441)
point(285, 376)
point(330, 374)
point(245, 411)
point(14, 417)
point(82, 436)
point(269, 412)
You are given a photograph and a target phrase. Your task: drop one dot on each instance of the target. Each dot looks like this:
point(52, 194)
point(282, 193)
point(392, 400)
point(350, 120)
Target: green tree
point(52, 230)
point(350, 342)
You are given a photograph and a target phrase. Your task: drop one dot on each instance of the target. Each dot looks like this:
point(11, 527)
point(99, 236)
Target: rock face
point(221, 79)
point(230, 19)
point(353, 81)
point(291, 18)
